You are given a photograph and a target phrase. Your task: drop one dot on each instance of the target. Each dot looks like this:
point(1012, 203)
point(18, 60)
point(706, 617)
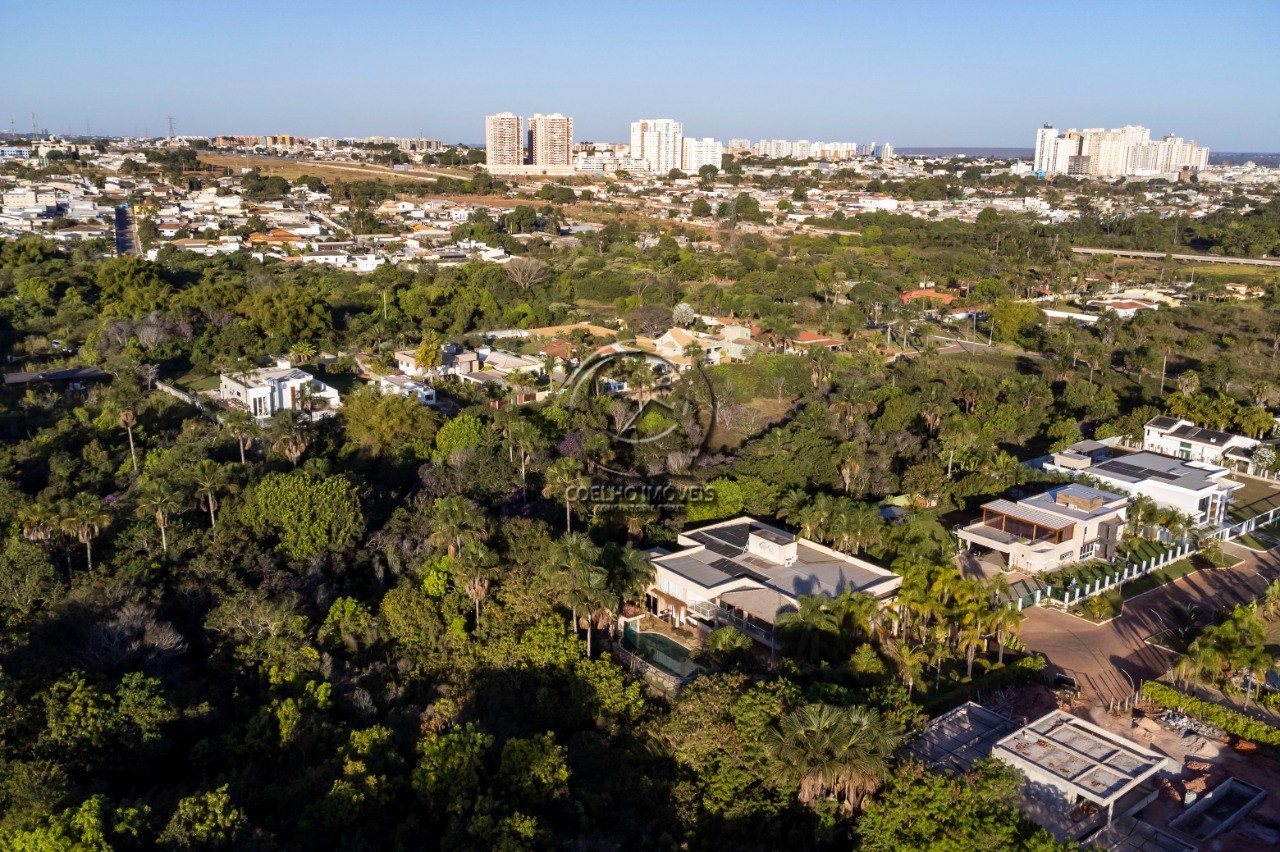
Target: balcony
point(720, 615)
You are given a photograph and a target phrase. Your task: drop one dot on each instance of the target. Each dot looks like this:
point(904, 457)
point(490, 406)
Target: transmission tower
point(170, 128)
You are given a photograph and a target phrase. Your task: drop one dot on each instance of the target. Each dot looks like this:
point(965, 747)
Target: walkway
point(1109, 660)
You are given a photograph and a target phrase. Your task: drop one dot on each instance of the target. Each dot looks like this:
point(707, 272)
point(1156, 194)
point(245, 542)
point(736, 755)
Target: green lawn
point(1167, 574)
point(196, 381)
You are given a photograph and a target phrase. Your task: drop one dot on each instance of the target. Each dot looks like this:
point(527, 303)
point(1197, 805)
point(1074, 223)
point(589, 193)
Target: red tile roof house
point(806, 340)
point(927, 293)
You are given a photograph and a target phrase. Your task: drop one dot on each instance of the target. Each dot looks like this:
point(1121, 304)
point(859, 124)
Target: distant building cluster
point(288, 141)
point(803, 149)
point(548, 147)
point(1128, 151)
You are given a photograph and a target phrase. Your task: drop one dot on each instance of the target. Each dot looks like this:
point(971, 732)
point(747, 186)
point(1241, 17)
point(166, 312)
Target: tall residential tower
point(502, 140)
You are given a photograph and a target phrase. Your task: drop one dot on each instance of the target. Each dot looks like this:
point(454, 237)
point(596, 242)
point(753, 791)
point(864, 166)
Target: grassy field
point(291, 170)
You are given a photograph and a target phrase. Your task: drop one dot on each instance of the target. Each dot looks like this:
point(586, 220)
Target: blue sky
point(912, 72)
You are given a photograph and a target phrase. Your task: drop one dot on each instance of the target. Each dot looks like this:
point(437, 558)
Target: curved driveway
point(1109, 660)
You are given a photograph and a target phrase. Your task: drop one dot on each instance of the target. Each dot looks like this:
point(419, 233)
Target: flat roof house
point(1069, 524)
point(1180, 438)
point(1198, 489)
point(266, 391)
point(744, 572)
point(1080, 777)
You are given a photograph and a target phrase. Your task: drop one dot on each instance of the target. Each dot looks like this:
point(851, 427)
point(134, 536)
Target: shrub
point(1220, 717)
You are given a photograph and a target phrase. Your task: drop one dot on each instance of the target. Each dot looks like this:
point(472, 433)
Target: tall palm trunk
point(133, 457)
point(213, 522)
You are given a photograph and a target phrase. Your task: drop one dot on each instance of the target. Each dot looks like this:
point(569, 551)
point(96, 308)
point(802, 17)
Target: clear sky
point(913, 72)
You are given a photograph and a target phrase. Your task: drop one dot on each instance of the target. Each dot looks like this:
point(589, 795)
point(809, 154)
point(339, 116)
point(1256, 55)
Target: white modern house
point(264, 392)
point(1180, 438)
point(1198, 489)
point(744, 572)
point(1069, 524)
point(401, 385)
point(454, 361)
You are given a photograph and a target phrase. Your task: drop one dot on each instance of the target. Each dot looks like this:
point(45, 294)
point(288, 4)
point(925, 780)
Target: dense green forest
point(389, 630)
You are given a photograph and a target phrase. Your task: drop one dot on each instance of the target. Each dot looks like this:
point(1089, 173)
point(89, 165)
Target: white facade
point(700, 152)
point(264, 392)
point(1182, 439)
point(503, 142)
point(551, 140)
point(657, 143)
point(1119, 152)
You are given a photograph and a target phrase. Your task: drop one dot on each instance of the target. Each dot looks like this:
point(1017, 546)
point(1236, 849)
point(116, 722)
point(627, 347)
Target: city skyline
point(985, 80)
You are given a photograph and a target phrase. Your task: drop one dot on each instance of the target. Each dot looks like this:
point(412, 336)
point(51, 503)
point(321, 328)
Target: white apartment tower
point(1119, 152)
point(886, 152)
point(502, 140)
point(697, 153)
point(551, 140)
point(658, 143)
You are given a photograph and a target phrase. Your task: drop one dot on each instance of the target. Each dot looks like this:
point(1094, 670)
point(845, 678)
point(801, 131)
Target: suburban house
point(1198, 489)
point(454, 361)
point(1173, 436)
point(806, 340)
point(411, 388)
point(927, 293)
point(264, 392)
point(1069, 524)
point(744, 572)
point(674, 342)
point(1123, 308)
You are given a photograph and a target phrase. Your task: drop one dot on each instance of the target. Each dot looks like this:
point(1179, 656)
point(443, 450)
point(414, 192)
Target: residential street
point(1109, 660)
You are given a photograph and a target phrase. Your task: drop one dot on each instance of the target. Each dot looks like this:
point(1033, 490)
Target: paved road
point(1206, 258)
point(126, 236)
point(1105, 659)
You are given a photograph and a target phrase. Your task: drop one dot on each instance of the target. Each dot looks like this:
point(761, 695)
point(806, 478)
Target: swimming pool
point(662, 651)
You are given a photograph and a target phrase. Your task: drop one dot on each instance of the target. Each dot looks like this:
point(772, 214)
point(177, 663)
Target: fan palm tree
point(630, 572)
point(210, 478)
point(41, 521)
point(855, 613)
point(128, 420)
point(828, 752)
point(160, 500)
point(83, 517)
point(302, 351)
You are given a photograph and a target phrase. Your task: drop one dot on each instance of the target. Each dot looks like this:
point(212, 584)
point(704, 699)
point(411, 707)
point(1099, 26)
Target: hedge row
point(1228, 720)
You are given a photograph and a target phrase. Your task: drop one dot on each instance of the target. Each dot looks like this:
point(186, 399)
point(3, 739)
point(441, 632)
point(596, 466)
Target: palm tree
point(810, 628)
point(455, 522)
point(630, 572)
point(41, 521)
point(475, 562)
point(128, 420)
point(290, 434)
point(1006, 621)
point(855, 614)
point(969, 641)
point(1255, 662)
point(565, 481)
point(938, 649)
point(160, 500)
point(908, 659)
point(243, 426)
point(302, 351)
point(839, 753)
point(524, 440)
point(210, 477)
point(83, 518)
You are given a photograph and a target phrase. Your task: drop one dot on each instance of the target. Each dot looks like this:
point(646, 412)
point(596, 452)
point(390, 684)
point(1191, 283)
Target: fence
point(664, 683)
point(1130, 570)
point(188, 398)
point(1230, 531)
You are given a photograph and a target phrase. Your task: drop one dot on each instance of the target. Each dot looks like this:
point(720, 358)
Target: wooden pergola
point(1025, 527)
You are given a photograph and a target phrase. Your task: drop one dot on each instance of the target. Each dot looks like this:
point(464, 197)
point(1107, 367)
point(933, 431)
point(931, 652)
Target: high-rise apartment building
point(1119, 152)
point(551, 140)
point(886, 152)
point(503, 142)
point(658, 143)
point(696, 153)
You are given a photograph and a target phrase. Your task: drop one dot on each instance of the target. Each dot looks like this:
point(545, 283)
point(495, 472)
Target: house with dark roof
point(1198, 489)
point(744, 572)
point(1180, 438)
